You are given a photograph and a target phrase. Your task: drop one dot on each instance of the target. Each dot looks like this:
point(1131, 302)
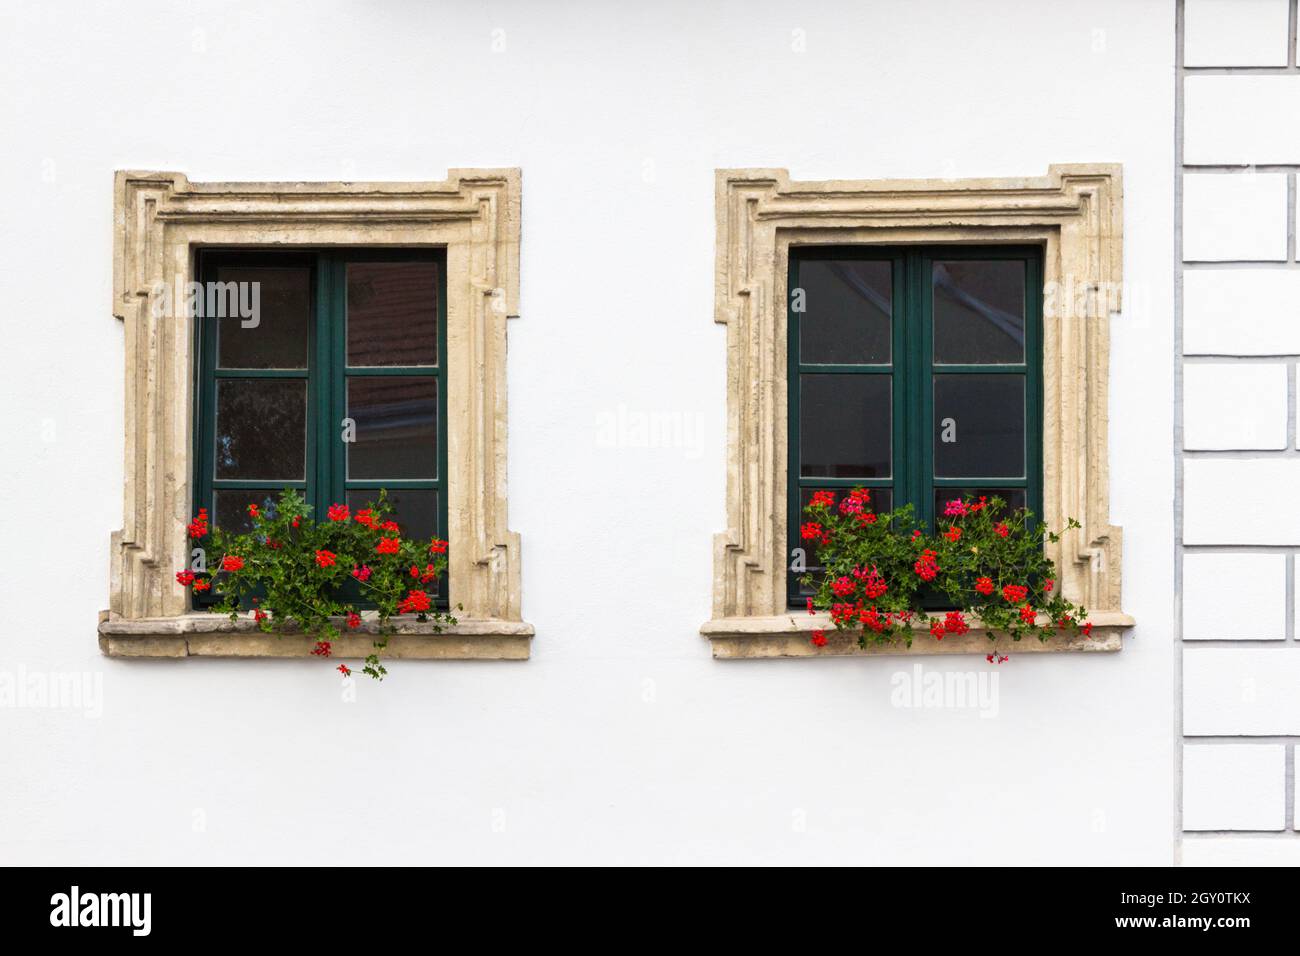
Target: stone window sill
point(787, 635)
point(212, 635)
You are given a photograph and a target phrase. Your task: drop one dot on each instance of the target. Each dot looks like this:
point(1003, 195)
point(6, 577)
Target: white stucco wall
point(621, 740)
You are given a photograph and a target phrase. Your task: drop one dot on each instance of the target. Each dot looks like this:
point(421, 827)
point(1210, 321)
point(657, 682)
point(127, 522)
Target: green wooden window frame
point(913, 369)
point(325, 478)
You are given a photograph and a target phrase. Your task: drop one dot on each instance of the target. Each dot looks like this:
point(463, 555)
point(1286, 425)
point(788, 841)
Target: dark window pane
point(979, 426)
point(415, 509)
point(261, 429)
point(396, 427)
point(231, 513)
point(1014, 498)
point(392, 313)
point(979, 311)
point(276, 335)
point(847, 311)
point(845, 424)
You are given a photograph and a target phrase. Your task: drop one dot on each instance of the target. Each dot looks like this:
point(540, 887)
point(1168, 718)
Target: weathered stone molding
point(1074, 213)
point(213, 635)
point(161, 218)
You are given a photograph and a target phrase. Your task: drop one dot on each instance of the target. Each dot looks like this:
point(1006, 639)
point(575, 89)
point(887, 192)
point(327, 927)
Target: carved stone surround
point(1075, 214)
point(159, 221)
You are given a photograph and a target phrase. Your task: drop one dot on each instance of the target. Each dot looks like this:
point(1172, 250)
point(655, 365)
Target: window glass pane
point(979, 311)
point(979, 426)
point(392, 313)
point(847, 311)
point(396, 427)
point(845, 426)
point(262, 316)
point(415, 509)
point(1014, 498)
point(231, 511)
point(261, 428)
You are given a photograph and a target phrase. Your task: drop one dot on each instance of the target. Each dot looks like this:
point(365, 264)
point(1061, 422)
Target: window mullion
point(1034, 386)
point(919, 405)
point(320, 376)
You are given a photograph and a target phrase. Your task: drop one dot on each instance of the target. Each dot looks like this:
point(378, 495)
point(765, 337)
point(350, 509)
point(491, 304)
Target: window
point(915, 372)
point(336, 386)
point(384, 303)
point(980, 306)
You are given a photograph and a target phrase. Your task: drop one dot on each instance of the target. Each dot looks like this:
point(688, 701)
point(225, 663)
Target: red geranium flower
point(199, 526)
point(354, 620)
point(337, 513)
point(1027, 614)
point(818, 638)
point(874, 585)
point(325, 559)
point(438, 546)
point(389, 545)
point(1014, 593)
point(202, 584)
point(984, 586)
point(415, 601)
point(232, 562)
point(185, 578)
point(345, 670)
point(926, 567)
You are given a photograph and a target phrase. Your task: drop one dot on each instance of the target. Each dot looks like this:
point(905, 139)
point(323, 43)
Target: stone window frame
point(1075, 214)
point(160, 220)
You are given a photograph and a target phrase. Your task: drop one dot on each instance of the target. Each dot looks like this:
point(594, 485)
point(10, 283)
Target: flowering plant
point(881, 573)
point(313, 575)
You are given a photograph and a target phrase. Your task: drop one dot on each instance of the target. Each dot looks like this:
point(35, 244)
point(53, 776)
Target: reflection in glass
point(276, 334)
point(979, 426)
point(847, 315)
point(979, 311)
point(261, 429)
point(396, 427)
point(392, 313)
point(845, 426)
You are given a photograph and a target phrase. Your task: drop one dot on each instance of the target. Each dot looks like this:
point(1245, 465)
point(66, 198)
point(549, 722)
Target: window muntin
point(278, 406)
point(952, 406)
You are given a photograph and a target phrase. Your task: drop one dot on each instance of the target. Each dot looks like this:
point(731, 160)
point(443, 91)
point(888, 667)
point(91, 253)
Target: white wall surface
point(621, 741)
